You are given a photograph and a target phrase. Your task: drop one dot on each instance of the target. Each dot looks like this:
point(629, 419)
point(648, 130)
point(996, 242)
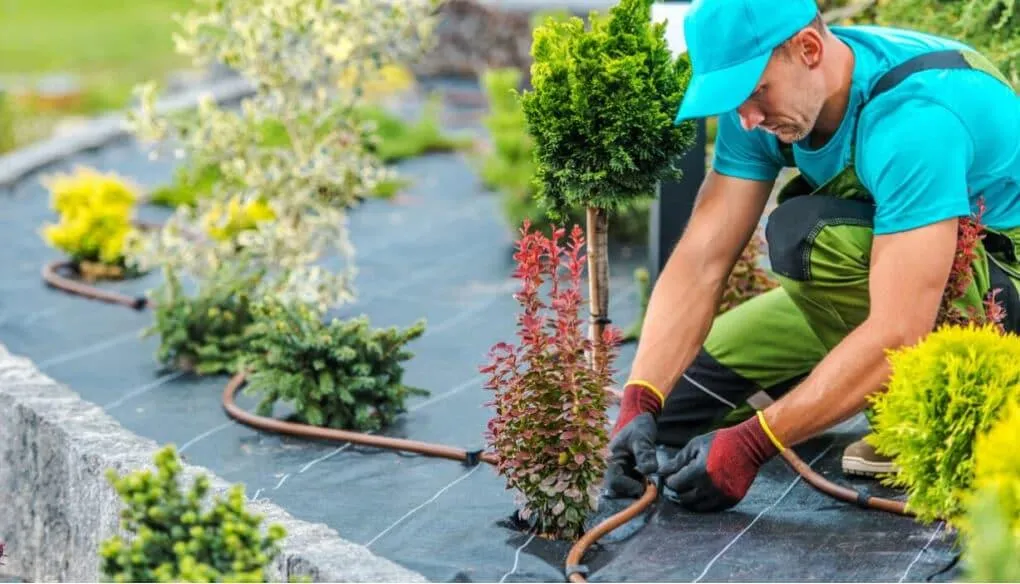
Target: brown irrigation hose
point(573, 566)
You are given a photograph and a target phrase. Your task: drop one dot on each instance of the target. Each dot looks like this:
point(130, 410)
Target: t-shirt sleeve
point(914, 160)
point(749, 155)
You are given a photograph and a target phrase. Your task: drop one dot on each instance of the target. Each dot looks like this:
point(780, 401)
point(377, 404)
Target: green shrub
point(991, 26)
point(203, 333)
point(177, 535)
point(340, 375)
point(942, 394)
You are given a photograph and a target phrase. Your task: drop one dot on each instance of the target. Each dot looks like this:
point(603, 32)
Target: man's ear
point(807, 47)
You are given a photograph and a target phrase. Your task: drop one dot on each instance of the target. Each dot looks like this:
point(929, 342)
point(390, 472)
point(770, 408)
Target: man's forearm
point(839, 386)
point(680, 312)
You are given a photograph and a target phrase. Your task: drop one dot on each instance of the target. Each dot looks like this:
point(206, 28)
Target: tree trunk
point(598, 279)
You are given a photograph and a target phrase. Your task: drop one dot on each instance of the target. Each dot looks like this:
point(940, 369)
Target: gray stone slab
point(56, 505)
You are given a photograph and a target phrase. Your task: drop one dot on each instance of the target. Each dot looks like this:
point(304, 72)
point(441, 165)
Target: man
point(897, 137)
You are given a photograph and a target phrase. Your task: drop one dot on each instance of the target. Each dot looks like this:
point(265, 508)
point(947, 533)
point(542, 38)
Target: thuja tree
point(175, 534)
point(601, 114)
point(549, 428)
point(308, 61)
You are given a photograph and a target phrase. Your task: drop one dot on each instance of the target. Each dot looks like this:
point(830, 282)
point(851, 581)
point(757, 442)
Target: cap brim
point(715, 93)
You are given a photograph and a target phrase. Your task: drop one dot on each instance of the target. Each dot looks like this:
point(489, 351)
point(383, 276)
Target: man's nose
point(750, 117)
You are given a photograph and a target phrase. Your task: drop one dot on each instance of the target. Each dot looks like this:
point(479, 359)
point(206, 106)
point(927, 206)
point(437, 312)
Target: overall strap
point(943, 59)
point(947, 59)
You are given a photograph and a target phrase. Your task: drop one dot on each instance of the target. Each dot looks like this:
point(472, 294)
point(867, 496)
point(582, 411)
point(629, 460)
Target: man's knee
point(818, 238)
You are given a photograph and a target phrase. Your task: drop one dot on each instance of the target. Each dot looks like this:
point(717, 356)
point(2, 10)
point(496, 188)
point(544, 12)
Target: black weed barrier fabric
point(443, 252)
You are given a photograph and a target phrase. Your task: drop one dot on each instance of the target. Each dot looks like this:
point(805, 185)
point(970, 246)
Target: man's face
point(787, 100)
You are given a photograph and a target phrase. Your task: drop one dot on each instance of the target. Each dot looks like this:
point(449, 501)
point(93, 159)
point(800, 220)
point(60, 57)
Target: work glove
point(714, 471)
point(632, 442)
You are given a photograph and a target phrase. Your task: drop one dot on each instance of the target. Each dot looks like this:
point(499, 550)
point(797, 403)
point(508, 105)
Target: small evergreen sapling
point(204, 333)
point(178, 535)
point(342, 374)
point(602, 116)
point(549, 426)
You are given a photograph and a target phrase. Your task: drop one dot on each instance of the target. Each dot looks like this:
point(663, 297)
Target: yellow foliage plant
point(943, 393)
point(992, 522)
point(95, 219)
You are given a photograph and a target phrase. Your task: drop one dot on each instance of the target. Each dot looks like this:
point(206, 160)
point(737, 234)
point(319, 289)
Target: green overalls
point(819, 240)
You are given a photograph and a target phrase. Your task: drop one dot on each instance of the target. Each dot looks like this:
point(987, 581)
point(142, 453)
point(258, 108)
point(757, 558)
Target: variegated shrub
point(308, 61)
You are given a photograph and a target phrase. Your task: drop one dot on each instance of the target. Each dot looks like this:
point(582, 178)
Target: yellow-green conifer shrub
point(96, 213)
point(178, 535)
point(991, 526)
point(943, 393)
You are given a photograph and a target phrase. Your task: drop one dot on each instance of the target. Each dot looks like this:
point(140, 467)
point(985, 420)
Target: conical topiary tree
point(601, 113)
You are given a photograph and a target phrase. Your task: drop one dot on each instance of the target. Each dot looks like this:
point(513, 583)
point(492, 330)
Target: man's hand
point(714, 471)
point(632, 448)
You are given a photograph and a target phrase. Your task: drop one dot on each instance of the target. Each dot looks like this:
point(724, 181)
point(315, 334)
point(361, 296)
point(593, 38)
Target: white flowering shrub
point(309, 61)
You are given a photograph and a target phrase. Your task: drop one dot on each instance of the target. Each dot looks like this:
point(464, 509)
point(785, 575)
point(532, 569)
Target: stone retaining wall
point(56, 505)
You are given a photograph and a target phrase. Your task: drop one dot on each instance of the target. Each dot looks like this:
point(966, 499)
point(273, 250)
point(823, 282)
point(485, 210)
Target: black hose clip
point(140, 303)
point(472, 457)
point(572, 569)
point(863, 499)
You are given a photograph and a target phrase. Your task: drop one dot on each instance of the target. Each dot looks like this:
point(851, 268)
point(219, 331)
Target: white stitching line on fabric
point(931, 539)
point(422, 506)
point(517, 558)
point(709, 392)
point(761, 514)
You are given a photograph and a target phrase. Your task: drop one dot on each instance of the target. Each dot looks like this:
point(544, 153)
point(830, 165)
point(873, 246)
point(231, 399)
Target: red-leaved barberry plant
point(961, 276)
point(549, 431)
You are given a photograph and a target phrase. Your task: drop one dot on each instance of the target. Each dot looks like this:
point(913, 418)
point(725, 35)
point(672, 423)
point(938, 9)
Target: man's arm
point(915, 163)
point(909, 271)
point(686, 295)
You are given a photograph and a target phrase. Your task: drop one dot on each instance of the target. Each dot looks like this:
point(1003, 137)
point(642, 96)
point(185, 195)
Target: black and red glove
point(714, 471)
point(632, 444)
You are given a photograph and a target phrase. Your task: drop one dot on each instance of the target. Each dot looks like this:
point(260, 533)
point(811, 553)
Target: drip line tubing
point(574, 569)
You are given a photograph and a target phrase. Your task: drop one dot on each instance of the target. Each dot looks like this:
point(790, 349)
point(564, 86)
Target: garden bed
point(440, 251)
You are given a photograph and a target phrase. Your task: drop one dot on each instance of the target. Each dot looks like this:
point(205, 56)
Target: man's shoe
point(860, 459)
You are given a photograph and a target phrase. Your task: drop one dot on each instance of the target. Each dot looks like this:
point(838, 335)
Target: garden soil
point(441, 252)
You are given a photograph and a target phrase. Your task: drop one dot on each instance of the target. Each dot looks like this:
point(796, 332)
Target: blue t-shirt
point(926, 150)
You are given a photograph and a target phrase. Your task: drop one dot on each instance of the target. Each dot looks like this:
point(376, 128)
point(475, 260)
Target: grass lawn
point(108, 45)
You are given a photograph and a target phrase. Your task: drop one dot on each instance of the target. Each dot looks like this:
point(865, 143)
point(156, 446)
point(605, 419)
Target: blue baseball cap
point(729, 43)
